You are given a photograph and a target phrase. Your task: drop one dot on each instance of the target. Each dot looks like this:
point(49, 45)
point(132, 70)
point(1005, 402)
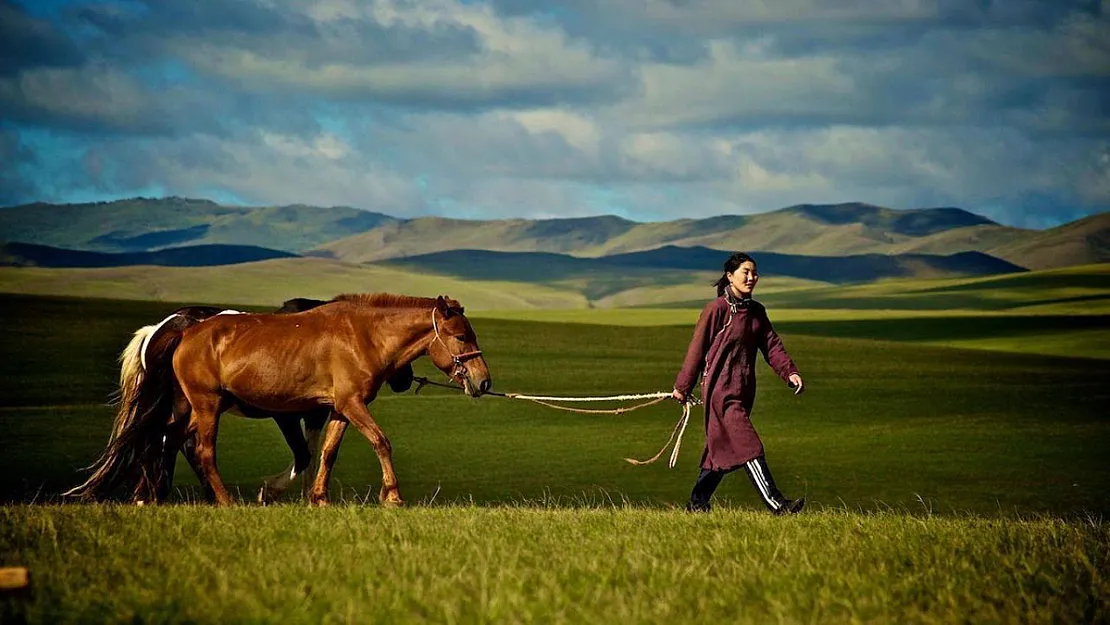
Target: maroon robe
point(724, 343)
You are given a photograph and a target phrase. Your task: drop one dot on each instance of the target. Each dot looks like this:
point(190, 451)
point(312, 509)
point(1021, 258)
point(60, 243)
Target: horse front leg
point(355, 412)
point(333, 436)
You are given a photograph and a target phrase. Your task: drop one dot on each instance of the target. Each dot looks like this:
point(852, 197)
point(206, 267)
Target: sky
point(648, 109)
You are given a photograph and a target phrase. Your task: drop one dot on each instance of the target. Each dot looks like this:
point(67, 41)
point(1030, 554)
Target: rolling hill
point(1073, 290)
point(815, 230)
point(646, 266)
point(270, 282)
point(1081, 289)
point(435, 234)
point(1077, 243)
point(352, 235)
point(142, 224)
point(28, 255)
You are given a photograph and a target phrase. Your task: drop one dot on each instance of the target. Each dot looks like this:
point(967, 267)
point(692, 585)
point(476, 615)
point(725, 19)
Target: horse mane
point(390, 300)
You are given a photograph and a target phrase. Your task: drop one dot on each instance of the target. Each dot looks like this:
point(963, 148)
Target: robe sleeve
point(774, 352)
point(696, 352)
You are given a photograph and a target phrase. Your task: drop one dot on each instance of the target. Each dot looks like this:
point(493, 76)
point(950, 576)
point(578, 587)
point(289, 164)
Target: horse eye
point(460, 338)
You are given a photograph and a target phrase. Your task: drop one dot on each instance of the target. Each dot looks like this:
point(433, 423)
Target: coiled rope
point(546, 400)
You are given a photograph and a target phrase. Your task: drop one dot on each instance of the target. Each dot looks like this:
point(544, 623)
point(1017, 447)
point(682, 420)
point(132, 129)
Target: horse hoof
point(267, 495)
point(393, 503)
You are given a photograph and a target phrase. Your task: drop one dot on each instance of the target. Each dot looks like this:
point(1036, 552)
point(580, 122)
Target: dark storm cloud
point(28, 41)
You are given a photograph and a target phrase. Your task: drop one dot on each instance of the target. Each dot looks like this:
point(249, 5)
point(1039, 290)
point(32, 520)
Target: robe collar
point(736, 303)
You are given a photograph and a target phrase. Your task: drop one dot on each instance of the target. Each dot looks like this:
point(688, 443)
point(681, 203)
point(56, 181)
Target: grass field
point(944, 484)
point(530, 564)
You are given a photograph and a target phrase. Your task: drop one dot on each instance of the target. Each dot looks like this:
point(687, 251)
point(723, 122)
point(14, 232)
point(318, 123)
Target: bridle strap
point(458, 359)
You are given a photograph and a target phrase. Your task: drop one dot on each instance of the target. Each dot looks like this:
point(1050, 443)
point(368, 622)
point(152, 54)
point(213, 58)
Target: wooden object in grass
point(14, 578)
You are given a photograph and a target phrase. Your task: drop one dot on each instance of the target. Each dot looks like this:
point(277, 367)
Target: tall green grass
point(353, 564)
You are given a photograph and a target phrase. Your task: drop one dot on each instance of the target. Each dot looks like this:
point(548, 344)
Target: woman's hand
point(797, 384)
point(679, 396)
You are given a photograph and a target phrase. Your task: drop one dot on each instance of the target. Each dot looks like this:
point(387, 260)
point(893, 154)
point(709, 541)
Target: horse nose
point(484, 385)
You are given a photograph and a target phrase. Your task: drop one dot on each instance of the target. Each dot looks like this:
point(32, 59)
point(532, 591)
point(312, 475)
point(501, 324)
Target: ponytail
point(732, 264)
point(721, 284)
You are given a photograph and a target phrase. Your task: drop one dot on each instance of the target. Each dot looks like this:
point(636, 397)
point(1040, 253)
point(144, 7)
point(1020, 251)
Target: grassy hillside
point(271, 282)
point(986, 238)
point(828, 230)
point(683, 269)
point(834, 269)
point(358, 236)
point(697, 289)
point(434, 234)
point(1078, 243)
point(1084, 289)
point(913, 222)
point(28, 255)
point(142, 224)
point(563, 282)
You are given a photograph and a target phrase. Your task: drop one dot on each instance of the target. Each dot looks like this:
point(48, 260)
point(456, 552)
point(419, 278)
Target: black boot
point(707, 482)
point(791, 506)
point(760, 476)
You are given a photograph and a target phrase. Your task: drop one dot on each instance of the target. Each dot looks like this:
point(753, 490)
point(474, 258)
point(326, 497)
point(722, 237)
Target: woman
point(728, 333)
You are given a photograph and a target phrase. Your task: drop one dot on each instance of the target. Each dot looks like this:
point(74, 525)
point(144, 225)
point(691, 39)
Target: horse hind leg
point(156, 482)
point(204, 424)
point(275, 485)
point(313, 433)
point(187, 445)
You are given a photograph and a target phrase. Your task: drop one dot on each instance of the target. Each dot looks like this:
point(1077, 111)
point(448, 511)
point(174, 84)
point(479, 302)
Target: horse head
point(454, 347)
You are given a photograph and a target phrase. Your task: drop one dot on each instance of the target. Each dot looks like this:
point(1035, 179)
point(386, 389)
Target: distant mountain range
point(871, 241)
point(602, 280)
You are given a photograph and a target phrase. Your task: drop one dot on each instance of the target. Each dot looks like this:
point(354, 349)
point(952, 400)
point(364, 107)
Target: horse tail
point(144, 405)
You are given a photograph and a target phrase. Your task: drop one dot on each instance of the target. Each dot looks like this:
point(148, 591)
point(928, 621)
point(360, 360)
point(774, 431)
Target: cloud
point(441, 54)
point(651, 109)
point(15, 158)
point(260, 166)
point(92, 97)
point(25, 40)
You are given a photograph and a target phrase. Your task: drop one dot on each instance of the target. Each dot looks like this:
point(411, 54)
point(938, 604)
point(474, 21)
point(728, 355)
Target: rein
point(654, 398)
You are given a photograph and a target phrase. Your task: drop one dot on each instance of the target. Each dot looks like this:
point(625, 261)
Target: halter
point(459, 370)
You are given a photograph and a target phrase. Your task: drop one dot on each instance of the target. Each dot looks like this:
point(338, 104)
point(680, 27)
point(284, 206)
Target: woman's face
point(743, 279)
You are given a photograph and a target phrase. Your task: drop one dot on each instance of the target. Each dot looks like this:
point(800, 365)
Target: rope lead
point(545, 400)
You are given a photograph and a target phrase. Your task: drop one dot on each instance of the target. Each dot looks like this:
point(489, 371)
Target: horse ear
point(441, 306)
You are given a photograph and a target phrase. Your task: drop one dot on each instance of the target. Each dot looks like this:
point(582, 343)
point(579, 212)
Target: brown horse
point(331, 357)
point(150, 475)
point(303, 443)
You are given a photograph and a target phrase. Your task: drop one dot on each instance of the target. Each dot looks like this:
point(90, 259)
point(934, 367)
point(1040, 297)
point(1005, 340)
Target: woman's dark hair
point(731, 265)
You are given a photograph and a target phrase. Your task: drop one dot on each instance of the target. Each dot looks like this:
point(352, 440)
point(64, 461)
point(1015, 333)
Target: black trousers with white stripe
point(759, 475)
